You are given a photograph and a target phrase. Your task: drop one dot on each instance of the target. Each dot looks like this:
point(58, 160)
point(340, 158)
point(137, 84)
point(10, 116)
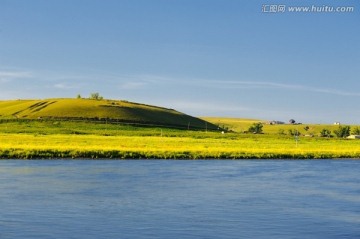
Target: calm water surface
point(180, 199)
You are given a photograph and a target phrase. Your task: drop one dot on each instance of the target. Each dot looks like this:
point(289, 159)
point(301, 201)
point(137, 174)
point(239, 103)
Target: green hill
point(100, 110)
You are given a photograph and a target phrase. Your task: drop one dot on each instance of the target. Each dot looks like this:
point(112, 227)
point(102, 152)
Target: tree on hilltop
point(96, 96)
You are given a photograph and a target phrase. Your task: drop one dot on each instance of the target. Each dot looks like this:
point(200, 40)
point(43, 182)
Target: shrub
point(342, 131)
point(294, 132)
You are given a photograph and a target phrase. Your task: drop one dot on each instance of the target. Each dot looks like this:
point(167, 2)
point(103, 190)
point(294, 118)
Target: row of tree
point(340, 132)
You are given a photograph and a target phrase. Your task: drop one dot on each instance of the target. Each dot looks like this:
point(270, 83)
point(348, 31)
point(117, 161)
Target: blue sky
point(201, 57)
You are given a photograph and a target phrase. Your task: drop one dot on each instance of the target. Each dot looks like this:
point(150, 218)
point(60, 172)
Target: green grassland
point(55, 139)
point(69, 132)
point(99, 110)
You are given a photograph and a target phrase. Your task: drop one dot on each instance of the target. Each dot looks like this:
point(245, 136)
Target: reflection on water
point(180, 199)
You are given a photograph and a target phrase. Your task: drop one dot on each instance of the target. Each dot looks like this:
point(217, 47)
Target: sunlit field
point(61, 139)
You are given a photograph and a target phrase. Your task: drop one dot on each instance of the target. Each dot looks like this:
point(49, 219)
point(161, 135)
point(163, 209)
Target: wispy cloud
point(65, 86)
point(274, 85)
point(140, 81)
point(8, 76)
point(207, 107)
point(15, 74)
point(132, 85)
point(223, 108)
point(212, 108)
point(226, 84)
point(4, 80)
point(253, 84)
point(334, 92)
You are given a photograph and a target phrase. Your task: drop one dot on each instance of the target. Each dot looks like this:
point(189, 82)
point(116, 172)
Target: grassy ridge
point(100, 110)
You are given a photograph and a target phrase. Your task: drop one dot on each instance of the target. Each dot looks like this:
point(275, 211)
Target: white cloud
point(8, 76)
point(4, 80)
point(65, 86)
point(226, 84)
point(207, 107)
point(133, 82)
point(132, 85)
point(203, 108)
point(15, 74)
point(334, 92)
point(142, 80)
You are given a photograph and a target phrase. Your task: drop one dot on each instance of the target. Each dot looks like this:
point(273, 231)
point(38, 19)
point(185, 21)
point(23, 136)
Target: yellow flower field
point(97, 146)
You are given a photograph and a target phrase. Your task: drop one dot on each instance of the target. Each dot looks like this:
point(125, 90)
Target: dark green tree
point(356, 131)
point(342, 131)
point(325, 133)
point(256, 128)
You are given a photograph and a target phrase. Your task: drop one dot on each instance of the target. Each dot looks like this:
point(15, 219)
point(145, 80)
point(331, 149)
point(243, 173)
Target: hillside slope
point(101, 110)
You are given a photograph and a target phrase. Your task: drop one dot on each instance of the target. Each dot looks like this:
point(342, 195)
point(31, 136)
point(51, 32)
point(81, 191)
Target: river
point(179, 199)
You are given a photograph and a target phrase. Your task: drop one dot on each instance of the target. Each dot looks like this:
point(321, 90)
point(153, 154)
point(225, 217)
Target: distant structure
point(336, 123)
point(353, 137)
point(274, 122)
